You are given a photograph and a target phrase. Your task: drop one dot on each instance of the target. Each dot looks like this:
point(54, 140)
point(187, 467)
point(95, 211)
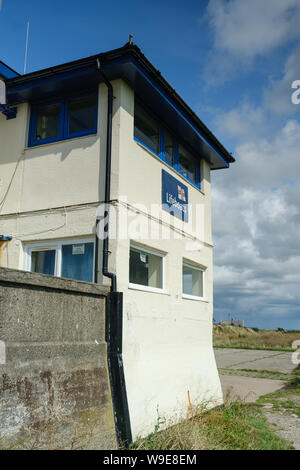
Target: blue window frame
point(153, 136)
point(62, 119)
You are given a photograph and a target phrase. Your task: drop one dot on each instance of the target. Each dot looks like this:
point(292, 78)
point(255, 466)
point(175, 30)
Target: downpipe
point(114, 300)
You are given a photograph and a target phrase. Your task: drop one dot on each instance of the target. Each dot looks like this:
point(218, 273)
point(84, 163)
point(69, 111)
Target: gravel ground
point(288, 425)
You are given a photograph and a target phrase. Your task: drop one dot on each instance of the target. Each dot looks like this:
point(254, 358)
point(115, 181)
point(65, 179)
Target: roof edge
point(134, 51)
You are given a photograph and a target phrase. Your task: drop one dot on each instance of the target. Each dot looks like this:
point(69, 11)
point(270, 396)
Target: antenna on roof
point(130, 38)
point(26, 47)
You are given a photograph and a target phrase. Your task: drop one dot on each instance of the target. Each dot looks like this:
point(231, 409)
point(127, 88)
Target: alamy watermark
point(296, 94)
point(2, 353)
point(296, 354)
point(155, 222)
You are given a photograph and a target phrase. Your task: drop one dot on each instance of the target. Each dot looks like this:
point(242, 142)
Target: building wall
point(49, 192)
point(53, 193)
point(167, 340)
point(54, 386)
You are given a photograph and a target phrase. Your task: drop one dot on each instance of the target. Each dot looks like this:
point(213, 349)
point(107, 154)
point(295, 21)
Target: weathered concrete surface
point(254, 359)
point(288, 426)
point(248, 389)
point(54, 386)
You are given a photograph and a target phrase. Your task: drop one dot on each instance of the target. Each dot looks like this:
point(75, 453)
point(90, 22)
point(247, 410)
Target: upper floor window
point(153, 136)
point(146, 129)
point(187, 164)
point(169, 148)
point(63, 119)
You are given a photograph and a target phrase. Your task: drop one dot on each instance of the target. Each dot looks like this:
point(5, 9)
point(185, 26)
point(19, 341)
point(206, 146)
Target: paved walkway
point(254, 359)
point(247, 389)
point(250, 389)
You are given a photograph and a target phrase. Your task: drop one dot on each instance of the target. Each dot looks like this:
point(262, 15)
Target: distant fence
point(54, 385)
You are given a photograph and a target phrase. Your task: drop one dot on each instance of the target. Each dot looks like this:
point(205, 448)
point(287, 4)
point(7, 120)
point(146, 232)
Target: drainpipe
point(105, 271)
point(114, 302)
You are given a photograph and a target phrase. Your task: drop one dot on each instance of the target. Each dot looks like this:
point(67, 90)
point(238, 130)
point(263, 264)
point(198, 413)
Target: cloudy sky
point(256, 202)
point(233, 61)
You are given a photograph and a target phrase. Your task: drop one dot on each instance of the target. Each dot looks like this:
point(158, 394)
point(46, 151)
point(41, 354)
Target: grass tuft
point(233, 426)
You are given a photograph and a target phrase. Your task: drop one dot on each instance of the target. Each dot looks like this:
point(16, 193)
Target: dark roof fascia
point(133, 51)
point(155, 74)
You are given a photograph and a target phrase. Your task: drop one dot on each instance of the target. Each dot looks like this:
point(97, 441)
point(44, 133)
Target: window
point(187, 164)
point(192, 281)
point(47, 122)
point(81, 115)
point(71, 259)
point(145, 269)
point(63, 119)
point(155, 138)
point(43, 262)
point(169, 148)
point(146, 130)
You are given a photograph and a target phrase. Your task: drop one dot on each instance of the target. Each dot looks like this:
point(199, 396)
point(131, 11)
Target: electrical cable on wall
point(10, 183)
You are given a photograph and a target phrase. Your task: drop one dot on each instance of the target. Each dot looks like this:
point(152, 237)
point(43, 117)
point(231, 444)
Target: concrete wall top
point(51, 282)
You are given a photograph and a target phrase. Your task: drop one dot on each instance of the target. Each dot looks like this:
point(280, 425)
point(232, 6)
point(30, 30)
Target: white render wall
point(167, 346)
point(48, 192)
point(51, 192)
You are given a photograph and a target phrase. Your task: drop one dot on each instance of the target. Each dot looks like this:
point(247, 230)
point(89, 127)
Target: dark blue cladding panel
point(175, 198)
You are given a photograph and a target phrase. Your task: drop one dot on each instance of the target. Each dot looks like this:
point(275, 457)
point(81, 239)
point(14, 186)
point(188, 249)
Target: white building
point(57, 166)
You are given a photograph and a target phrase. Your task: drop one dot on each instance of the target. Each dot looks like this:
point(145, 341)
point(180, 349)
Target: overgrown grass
point(287, 399)
point(234, 426)
point(295, 380)
point(249, 338)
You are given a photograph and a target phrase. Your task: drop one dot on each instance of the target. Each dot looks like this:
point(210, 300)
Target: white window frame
point(57, 246)
point(158, 290)
point(197, 268)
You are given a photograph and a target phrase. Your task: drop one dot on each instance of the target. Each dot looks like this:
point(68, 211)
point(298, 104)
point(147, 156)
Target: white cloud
point(256, 215)
point(245, 30)
point(240, 122)
point(256, 226)
point(265, 162)
point(249, 28)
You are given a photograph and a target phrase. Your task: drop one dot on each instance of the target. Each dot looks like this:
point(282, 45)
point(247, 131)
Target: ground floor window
point(72, 259)
point(145, 269)
point(192, 281)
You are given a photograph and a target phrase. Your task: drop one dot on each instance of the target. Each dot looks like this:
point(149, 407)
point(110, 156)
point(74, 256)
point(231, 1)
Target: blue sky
point(233, 62)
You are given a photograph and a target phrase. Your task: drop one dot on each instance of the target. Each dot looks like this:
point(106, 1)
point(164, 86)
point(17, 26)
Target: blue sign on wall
point(174, 196)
